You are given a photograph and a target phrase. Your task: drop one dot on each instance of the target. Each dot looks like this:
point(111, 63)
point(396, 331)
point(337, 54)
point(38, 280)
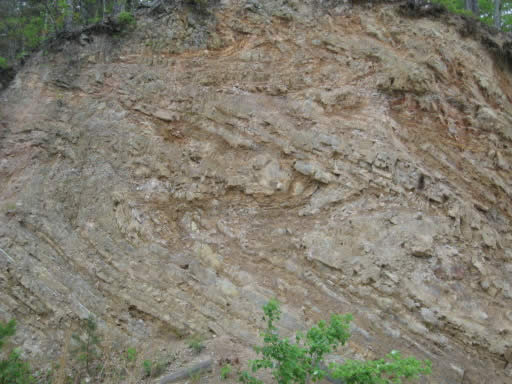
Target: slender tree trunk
point(83, 12)
point(472, 5)
point(497, 14)
point(50, 13)
point(69, 15)
point(45, 26)
point(118, 7)
point(87, 355)
point(56, 14)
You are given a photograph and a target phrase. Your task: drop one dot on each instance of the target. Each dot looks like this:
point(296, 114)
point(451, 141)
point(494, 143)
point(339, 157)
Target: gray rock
point(313, 170)
point(421, 245)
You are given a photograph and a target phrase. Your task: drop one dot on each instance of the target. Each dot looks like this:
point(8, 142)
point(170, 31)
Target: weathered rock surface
point(172, 181)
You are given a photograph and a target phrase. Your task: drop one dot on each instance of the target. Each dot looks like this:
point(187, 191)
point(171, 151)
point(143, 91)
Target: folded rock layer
point(171, 180)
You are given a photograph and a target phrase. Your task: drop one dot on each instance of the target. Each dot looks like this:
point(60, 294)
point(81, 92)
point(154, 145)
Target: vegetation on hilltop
point(492, 12)
point(26, 24)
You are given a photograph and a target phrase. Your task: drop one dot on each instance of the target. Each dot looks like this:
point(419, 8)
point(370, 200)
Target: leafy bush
point(225, 371)
point(147, 365)
point(301, 361)
point(126, 19)
point(130, 355)
point(13, 370)
point(3, 62)
point(382, 371)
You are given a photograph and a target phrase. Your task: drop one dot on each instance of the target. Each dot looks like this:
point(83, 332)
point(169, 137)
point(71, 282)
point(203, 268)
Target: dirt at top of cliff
point(172, 179)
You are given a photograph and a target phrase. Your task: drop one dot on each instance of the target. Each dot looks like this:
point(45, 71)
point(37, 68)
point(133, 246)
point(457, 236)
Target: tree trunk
point(69, 15)
point(118, 7)
point(497, 14)
point(45, 27)
point(472, 5)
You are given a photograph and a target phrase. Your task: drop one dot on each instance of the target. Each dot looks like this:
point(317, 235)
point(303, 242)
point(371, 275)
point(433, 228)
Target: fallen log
point(185, 373)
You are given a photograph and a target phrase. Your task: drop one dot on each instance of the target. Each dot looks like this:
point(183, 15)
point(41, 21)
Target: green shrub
point(3, 63)
point(156, 368)
point(13, 370)
point(196, 345)
point(94, 20)
point(147, 365)
point(383, 371)
point(126, 19)
point(301, 361)
point(225, 371)
point(130, 355)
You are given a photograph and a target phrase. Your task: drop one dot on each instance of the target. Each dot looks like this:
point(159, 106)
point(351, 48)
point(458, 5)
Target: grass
point(225, 371)
point(196, 345)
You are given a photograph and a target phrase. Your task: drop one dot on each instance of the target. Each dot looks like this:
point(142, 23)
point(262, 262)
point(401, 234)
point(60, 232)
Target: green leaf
point(300, 362)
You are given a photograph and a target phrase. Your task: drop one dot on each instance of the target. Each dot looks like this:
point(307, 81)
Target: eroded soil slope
point(172, 180)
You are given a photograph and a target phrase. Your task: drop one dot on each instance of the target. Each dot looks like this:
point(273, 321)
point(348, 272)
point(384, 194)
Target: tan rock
point(341, 160)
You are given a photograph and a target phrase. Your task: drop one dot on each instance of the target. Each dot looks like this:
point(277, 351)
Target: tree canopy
point(492, 12)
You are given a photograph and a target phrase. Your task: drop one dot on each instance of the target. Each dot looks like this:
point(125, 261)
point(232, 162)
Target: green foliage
point(13, 370)
point(156, 368)
point(87, 349)
point(32, 32)
point(507, 20)
point(130, 355)
point(45, 377)
point(196, 345)
point(126, 19)
point(225, 371)
point(486, 8)
point(487, 13)
point(147, 365)
point(301, 361)
point(26, 25)
point(7, 330)
point(390, 370)
point(3, 62)
point(94, 20)
point(455, 6)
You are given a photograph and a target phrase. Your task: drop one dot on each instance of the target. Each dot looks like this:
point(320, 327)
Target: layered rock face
point(170, 181)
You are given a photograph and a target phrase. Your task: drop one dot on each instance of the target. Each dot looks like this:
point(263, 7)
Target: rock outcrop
point(172, 180)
